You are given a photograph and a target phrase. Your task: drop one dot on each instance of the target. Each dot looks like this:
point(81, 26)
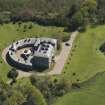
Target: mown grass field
point(12, 32)
point(86, 59)
point(92, 92)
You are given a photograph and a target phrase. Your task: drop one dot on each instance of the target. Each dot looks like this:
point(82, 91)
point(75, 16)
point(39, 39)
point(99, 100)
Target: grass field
point(86, 59)
point(12, 32)
point(85, 62)
point(91, 93)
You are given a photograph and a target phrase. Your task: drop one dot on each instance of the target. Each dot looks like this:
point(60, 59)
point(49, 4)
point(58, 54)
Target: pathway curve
point(60, 61)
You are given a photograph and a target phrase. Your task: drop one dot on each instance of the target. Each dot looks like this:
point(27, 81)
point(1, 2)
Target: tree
point(32, 94)
point(88, 9)
point(30, 26)
point(76, 21)
point(10, 95)
point(13, 74)
point(59, 40)
point(85, 14)
point(16, 98)
point(101, 11)
point(51, 88)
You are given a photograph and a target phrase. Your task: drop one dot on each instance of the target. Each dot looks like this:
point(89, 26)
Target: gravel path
point(62, 58)
point(60, 61)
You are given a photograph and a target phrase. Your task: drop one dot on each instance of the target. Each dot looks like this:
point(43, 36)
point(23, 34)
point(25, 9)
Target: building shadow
point(23, 67)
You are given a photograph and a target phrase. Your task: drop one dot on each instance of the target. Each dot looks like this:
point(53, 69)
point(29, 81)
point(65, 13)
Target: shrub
point(65, 38)
point(12, 74)
point(58, 44)
point(30, 26)
point(51, 88)
point(59, 40)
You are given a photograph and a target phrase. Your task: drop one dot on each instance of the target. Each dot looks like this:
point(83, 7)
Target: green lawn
point(91, 93)
point(12, 32)
point(86, 59)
